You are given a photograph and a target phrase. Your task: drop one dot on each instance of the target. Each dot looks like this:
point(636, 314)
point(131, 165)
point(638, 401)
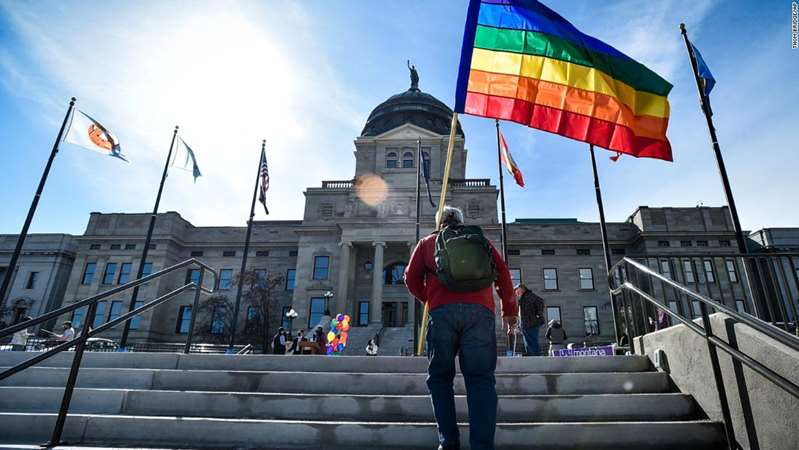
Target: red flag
point(507, 160)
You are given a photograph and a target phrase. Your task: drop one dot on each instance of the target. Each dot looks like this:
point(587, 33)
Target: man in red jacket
point(461, 324)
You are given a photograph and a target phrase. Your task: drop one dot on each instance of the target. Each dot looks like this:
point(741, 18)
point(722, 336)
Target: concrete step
point(385, 364)
point(339, 383)
point(405, 408)
point(185, 432)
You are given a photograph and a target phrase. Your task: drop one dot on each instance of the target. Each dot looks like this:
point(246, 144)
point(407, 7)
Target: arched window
point(391, 160)
point(407, 160)
point(394, 274)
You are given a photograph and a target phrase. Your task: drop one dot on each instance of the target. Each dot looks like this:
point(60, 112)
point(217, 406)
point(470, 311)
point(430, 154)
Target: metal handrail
point(713, 343)
point(247, 349)
point(760, 325)
point(87, 332)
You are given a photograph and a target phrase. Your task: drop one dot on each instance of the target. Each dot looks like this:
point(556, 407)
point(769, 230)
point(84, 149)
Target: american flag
point(264, 180)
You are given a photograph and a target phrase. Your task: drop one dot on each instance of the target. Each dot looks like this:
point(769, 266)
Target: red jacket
point(421, 279)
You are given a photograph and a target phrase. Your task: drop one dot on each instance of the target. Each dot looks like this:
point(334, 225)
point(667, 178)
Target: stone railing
point(470, 183)
point(337, 184)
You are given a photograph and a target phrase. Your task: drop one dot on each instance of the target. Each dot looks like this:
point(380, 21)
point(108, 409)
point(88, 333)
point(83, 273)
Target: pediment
point(407, 131)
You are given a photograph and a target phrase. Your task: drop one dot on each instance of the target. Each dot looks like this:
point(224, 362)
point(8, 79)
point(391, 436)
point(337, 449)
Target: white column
point(376, 306)
point(342, 296)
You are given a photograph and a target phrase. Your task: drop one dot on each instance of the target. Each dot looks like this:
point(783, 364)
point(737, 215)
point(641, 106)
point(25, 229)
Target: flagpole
point(603, 228)
point(502, 197)
point(132, 304)
point(12, 264)
point(441, 199)
point(725, 181)
point(416, 304)
point(246, 249)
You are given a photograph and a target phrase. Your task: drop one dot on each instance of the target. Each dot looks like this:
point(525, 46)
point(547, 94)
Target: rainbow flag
point(523, 62)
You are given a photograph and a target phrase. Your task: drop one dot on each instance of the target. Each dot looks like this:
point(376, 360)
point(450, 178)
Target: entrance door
point(389, 314)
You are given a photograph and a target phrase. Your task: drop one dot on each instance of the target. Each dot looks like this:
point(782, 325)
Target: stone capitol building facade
point(355, 238)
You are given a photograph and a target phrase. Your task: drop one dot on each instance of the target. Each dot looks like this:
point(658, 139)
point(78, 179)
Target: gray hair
point(451, 215)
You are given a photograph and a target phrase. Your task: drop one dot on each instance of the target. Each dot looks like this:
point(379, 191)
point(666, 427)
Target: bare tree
point(260, 305)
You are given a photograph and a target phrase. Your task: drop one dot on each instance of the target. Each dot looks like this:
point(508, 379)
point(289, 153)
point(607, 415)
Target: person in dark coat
point(532, 312)
point(279, 342)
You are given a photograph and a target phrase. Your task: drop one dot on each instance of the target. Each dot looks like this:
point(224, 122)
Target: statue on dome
point(414, 76)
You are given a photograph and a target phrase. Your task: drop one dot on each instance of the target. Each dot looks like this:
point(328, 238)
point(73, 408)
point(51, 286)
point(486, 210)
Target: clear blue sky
point(305, 75)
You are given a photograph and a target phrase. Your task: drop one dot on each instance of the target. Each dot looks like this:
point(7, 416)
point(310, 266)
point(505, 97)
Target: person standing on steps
point(457, 270)
point(279, 342)
point(556, 336)
point(532, 312)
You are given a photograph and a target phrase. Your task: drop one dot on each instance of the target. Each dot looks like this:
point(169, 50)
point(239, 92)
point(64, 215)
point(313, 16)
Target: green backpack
point(464, 260)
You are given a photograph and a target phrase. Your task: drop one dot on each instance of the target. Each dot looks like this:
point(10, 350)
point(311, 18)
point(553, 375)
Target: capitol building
point(356, 236)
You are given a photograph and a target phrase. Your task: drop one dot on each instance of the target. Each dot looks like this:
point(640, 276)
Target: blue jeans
point(531, 343)
point(466, 331)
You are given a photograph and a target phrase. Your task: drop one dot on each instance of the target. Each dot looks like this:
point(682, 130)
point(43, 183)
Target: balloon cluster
point(337, 336)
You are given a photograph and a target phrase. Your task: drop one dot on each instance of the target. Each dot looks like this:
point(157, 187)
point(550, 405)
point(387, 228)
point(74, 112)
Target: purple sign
point(606, 350)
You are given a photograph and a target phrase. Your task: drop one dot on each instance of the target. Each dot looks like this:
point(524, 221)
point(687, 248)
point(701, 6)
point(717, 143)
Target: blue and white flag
point(90, 134)
point(705, 76)
point(184, 159)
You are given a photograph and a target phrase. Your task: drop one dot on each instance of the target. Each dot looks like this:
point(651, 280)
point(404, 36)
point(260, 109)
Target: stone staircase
point(285, 402)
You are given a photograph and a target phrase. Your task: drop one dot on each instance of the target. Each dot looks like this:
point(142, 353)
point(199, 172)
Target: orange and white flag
point(508, 162)
point(90, 134)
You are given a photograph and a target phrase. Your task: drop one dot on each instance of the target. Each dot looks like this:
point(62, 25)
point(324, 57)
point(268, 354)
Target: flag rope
point(442, 197)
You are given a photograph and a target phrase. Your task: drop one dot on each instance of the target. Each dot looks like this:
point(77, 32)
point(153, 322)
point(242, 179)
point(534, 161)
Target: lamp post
point(291, 315)
point(327, 295)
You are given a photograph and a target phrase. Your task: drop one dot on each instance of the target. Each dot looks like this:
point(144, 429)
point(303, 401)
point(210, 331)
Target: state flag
point(90, 134)
point(184, 159)
point(508, 162)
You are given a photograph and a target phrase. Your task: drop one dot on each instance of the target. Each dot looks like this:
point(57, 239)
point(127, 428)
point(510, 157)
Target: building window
point(196, 253)
point(709, 275)
point(363, 313)
point(229, 253)
point(731, 272)
point(664, 244)
point(394, 274)
point(124, 273)
point(116, 246)
point(547, 251)
point(724, 243)
point(591, 318)
point(110, 271)
point(321, 264)
point(688, 272)
point(316, 312)
point(99, 314)
point(407, 160)
point(701, 243)
point(291, 275)
point(116, 309)
point(686, 244)
point(286, 322)
point(665, 268)
point(553, 313)
point(225, 278)
point(218, 320)
point(292, 252)
point(514, 252)
point(152, 247)
point(326, 209)
point(391, 160)
point(551, 279)
point(586, 278)
point(77, 318)
point(147, 269)
point(130, 246)
point(135, 321)
point(618, 251)
point(674, 307)
point(94, 247)
point(696, 309)
point(740, 306)
point(261, 253)
point(88, 273)
point(251, 318)
point(31, 283)
point(515, 276)
point(193, 276)
point(584, 252)
point(184, 320)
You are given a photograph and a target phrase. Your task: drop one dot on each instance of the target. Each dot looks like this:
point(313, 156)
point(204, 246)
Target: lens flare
point(371, 189)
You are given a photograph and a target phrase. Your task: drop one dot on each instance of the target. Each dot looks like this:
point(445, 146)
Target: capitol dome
point(412, 106)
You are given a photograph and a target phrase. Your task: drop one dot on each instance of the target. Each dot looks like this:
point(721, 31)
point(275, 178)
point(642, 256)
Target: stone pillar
point(376, 306)
point(342, 294)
